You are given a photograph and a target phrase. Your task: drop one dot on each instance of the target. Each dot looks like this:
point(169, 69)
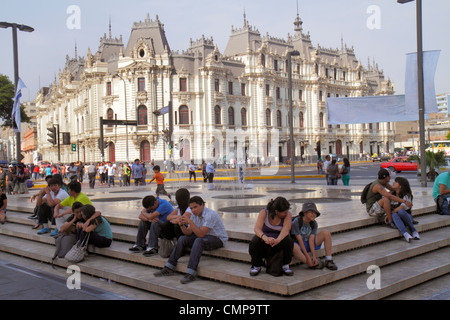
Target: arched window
point(300, 119)
point(268, 116)
point(112, 152)
point(231, 116)
point(217, 115)
point(142, 115)
point(243, 117)
point(145, 151)
point(110, 116)
point(263, 60)
point(184, 115)
point(279, 119)
point(321, 120)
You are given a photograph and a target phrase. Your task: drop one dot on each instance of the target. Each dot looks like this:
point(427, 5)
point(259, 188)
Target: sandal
point(36, 226)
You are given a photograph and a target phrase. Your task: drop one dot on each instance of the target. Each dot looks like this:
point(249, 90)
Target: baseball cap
point(309, 206)
point(383, 173)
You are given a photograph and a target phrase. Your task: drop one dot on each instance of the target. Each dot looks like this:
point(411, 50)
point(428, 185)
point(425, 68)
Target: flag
point(369, 110)
point(430, 60)
point(15, 116)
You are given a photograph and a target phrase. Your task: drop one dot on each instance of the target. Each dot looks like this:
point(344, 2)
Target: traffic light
point(52, 135)
point(66, 138)
point(74, 147)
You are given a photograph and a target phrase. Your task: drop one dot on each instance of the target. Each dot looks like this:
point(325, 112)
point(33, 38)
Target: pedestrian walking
point(192, 171)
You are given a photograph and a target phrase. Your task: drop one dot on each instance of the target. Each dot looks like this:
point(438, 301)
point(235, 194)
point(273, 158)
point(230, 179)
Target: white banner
point(390, 108)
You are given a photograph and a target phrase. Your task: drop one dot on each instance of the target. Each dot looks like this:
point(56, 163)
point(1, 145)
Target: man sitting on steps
point(378, 200)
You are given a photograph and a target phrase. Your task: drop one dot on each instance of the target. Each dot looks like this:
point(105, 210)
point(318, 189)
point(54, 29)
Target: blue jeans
point(143, 228)
point(403, 219)
point(110, 180)
point(197, 245)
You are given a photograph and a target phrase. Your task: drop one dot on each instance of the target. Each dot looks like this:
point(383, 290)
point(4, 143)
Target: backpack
point(275, 263)
point(166, 247)
point(64, 242)
point(365, 192)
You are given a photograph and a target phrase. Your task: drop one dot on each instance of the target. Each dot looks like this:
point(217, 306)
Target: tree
point(7, 102)
point(433, 161)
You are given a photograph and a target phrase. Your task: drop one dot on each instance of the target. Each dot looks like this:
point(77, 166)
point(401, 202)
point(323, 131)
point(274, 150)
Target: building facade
point(223, 105)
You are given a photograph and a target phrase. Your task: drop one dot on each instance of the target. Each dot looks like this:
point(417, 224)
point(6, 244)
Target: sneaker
point(44, 230)
point(320, 265)
point(166, 271)
point(254, 271)
point(330, 265)
point(187, 278)
point(415, 235)
point(33, 217)
point(136, 248)
point(150, 251)
point(54, 233)
point(407, 237)
point(287, 271)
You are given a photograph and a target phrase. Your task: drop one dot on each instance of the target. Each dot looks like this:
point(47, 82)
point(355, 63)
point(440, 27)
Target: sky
point(383, 31)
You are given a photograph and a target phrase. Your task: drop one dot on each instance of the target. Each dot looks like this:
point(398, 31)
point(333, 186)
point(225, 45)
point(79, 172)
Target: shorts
point(306, 244)
point(376, 210)
point(160, 189)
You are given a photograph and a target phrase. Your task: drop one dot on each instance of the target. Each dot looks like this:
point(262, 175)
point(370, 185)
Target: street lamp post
point(25, 28)
point(291, 113)
point(423, 165)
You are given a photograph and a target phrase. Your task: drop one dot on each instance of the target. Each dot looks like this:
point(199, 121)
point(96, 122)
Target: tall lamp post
point(291, 113)
point(25, 28)
point(423, 164)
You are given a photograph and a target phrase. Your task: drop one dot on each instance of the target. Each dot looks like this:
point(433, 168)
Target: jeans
point(91, 180)
point(95, 239)
point(345, 179)
point(143, 228)
point(197, 245)
point(402, 218)
point(110, 180)
point(332, 181)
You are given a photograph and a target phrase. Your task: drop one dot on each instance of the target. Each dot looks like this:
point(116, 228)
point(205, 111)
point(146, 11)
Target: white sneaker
point(415, 235)
point(407, 237)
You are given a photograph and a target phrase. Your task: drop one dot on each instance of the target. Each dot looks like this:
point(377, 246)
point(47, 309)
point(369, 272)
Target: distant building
point(443, 103)
point(230, 104)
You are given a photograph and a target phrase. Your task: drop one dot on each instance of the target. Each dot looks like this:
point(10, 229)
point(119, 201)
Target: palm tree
point(433, 161)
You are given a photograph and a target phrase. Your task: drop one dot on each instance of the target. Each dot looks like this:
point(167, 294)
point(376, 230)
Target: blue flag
point(15, 116)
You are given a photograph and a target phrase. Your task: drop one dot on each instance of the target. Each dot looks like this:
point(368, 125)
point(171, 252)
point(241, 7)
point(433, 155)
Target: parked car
point(383, 157)
point(399, 164)
point(438, 170)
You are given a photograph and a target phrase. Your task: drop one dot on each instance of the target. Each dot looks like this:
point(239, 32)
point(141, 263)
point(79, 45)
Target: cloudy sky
point(379, 30)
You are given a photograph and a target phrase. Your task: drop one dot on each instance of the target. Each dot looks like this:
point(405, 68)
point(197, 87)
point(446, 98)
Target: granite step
point(135, 275)
point(393, 278)
point(233, 272)
point(342, 241)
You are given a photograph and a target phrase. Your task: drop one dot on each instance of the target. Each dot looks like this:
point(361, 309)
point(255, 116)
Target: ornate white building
point(232, 103)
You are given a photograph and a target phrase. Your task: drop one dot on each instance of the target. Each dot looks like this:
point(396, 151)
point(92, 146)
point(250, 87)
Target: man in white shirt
point(326, 163)
point(92, 172)
point(47, 199)
point(192, 171)
point(203, 230)
point(111, 168)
